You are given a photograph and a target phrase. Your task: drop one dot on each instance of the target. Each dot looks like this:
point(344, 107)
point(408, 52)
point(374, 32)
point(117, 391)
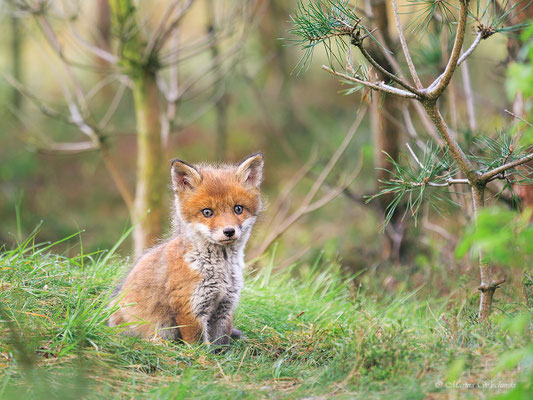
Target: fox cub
point(188, 287)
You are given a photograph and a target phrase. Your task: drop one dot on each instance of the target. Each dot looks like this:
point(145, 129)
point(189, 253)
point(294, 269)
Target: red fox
point(188, 287)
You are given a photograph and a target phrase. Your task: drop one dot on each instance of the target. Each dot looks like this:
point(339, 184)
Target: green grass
point(310, 333)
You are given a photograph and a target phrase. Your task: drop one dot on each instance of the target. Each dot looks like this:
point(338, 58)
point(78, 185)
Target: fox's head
point(218, 204)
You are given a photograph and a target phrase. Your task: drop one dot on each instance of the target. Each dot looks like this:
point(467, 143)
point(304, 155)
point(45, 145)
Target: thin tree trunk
point(222, 103)
point(16, 56)
point(150, 159)
point(272, 27)
point(103, 24)
point(385, 135)
point(487, 286)
point(150, 182)
point(384, 106)
point(514, 44)
point(222, 127)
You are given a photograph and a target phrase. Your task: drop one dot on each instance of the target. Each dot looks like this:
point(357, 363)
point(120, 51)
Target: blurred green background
point(268, 105)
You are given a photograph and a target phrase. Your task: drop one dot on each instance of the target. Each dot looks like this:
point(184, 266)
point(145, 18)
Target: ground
point(310, 333)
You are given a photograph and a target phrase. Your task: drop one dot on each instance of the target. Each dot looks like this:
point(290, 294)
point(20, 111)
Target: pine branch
point(462, 59)
point(485, 177)
point(379, 86)
point(442, 82)
point(456, 152)
point(471, 49)
point(412, 184)
point(446, 183)
point(469, 97)
point(405, 49)
point(388, 74)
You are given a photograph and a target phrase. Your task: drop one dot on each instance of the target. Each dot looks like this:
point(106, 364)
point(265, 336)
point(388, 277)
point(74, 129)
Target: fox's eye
point(238, 209)
point(207, 212)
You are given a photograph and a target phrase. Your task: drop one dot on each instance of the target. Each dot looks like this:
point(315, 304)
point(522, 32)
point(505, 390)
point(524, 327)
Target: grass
point(310, 333)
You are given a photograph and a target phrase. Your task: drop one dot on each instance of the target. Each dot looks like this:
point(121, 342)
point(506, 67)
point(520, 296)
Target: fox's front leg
point(193, 330)
point(221, 323)
point(191, 319)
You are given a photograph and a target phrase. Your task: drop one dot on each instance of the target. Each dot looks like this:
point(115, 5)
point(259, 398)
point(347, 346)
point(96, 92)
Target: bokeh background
point(258, 100)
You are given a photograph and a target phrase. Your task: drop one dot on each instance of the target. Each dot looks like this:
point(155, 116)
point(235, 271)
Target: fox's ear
point(250, 171)
point(184, 176)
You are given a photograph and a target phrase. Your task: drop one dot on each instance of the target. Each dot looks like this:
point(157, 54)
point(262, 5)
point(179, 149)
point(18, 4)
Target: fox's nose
point(229, 232)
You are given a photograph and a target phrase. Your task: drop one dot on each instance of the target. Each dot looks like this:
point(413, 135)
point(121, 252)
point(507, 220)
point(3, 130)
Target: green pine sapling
point(338, 27)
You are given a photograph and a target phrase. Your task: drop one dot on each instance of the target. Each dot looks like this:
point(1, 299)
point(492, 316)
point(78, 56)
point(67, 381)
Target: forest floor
point(310, 334)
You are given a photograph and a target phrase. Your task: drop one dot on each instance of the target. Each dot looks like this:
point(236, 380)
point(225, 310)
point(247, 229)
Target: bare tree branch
point(69, 147)
point(428, 125)
point(393, 77)
point(438, 86)
point(380, 86)
point(97, 51)
point(470, 50)
point(120, 183)
point(455, 150)
point(163, 37)
point(117, 98)
point(405, 49)
point(74, 119)
point(336, 191)
point(156, 34)
point(170, 92)
point(439, 230)
point(469, 96)
point(307, 204)
point(215, 63)
point(100, 85)
point(94, 134)
point(519, 118)
point(494, 172)
point(409, 126)
point(49, 33)
point(462, 59)
point(280, 206)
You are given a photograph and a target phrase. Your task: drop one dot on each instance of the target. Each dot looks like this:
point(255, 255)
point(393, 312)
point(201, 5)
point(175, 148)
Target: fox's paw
point(237, 334)
point(220, 345)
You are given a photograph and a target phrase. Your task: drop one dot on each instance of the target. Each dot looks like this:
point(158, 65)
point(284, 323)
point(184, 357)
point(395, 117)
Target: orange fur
point(161, 268)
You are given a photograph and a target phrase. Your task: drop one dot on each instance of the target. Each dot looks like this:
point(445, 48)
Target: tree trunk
point(487, 286)
point(16, 56)
point(222, 103)
point(150, 182)
point(514, 44)
point(386, 136)
point(273, 26)
point(103, 24)
point(150, 160)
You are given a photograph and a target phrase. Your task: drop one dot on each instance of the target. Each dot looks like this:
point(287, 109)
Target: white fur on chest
point(221, 269)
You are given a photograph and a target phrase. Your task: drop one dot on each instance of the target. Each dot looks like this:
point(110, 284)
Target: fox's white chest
point(221, 271)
